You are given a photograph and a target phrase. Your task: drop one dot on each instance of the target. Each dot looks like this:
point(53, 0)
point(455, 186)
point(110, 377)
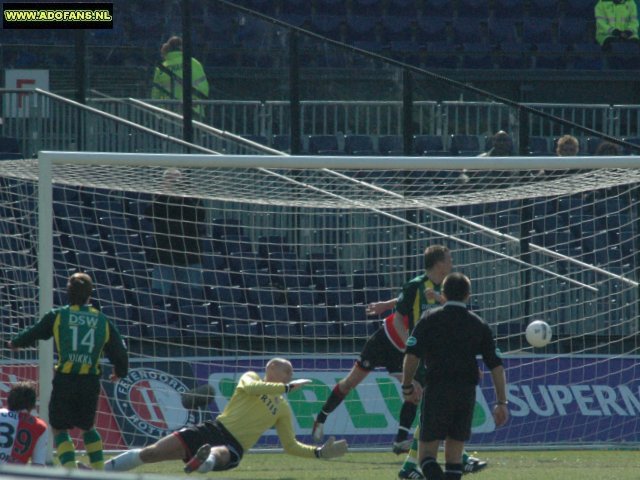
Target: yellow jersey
point(257, 406)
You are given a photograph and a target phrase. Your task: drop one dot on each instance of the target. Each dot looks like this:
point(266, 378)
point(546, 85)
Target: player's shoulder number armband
point(411, 341)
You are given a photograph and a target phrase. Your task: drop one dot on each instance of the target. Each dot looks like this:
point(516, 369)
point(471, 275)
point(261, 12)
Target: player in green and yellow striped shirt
point(81, 334)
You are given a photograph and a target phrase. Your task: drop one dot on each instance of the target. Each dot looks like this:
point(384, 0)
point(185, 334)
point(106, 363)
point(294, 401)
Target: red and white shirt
point(392, 332)
point(22, 437)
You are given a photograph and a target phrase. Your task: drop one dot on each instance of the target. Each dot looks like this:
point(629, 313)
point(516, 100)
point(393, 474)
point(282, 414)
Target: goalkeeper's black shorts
point(213, 433)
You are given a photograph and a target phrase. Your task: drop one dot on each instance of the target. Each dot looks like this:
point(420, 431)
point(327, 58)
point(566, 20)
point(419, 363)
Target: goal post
point(292, 248)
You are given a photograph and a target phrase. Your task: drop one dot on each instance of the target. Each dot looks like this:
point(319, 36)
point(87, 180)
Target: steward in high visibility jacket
point(616, 21)
point(167, 79)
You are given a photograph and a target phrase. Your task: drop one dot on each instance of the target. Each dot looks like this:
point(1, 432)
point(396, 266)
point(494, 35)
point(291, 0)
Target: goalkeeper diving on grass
point(256, 406)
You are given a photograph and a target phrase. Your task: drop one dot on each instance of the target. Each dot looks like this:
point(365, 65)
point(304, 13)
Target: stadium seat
point(540, 31)
point(441, 55)
point(223, 294)
point(358, 145)
point(464, 145)
point(338, 296)
point(282, 261)
point(624, 56)
point(431, 29)
point(326, 25)
point(274, 313)
point(284, 330)
point(233, 243)
point(326, 279)
point(361, 27)
point(317, 261)
point(308, 296)
point(513, 9)
point(397, 28)
point(477, 55)
point(287, 279)
point(550, 55)
point(441, 8)
point(538, 146)
point(477, 9)
point(579, 9)
point(389, 144)
point(225, 226)
point(402, 8)
point(323, 145)
point(260, 296)
point(428, 145)
point(9, 145)
point(269, 244)
point(281, 143)
point(239, 261)
point(572, 30)
point(467, 30)
point(502, 31)
point(544, 9)
point(260, 277)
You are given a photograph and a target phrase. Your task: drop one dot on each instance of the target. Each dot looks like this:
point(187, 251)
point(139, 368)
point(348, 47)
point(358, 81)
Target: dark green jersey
point(81, 334)
point(413, 301)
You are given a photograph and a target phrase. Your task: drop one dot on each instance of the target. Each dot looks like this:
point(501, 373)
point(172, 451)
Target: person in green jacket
point(167, 79)
point(616, 21)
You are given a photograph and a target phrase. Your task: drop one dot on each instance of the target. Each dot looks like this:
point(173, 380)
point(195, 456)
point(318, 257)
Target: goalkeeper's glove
point(332, 449)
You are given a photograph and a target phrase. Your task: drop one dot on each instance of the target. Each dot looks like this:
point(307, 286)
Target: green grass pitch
point(518, 465)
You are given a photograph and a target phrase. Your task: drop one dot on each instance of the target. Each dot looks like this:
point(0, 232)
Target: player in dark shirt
point(448, 339)
point(81, 334)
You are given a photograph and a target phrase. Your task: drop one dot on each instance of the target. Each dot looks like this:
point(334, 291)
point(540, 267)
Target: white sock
point(125, 461)
point(208, 464)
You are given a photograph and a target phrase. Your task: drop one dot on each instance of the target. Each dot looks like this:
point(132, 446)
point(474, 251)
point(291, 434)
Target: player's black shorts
point(447, 411)
point(74, 400)
point(215, 435)
point(380, 352)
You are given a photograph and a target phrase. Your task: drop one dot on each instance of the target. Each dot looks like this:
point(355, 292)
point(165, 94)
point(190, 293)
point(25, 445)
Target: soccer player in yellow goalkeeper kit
point(256, 406)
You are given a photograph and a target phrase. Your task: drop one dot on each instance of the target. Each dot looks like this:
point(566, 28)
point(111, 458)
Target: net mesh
point(288, 261)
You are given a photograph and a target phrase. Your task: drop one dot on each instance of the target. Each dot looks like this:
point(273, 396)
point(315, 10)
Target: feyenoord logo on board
point(150, 400)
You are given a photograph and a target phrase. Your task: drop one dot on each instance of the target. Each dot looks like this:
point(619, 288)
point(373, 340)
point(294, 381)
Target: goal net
point(271, 259)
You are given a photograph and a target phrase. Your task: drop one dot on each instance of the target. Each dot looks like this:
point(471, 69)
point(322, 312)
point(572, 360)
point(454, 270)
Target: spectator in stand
point(167, 79)
point(501, 145)
point(616, 21)
point(567, 146)
point(607, 149)
point(31, 438)
point(175, 219)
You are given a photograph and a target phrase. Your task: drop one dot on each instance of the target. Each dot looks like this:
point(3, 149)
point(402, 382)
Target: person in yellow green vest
point(167, 79)
point(616, 21)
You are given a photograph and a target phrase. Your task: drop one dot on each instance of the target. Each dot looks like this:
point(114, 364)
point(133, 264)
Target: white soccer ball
point(538, 333)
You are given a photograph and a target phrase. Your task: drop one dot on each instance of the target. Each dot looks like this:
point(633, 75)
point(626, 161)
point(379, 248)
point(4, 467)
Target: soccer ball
point(538, 333)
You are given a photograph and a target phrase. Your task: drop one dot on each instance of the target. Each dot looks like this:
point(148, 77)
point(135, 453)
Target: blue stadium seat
point(544, 9)
point(389, 144)
point(428, 145)
point(283, 330)
point(326, 25)
point(338, 296)
point(218, 277)
point(236, 320)
point(306, 296)
point(281, 143)
point(431, 29)
point(326, 279)
point(239, 261)
point(312, 313)
point(234, 243)
point(540, 31)
point(282, 261)
point(464, 145)
point(573, 30)
point(502, 31)
point(358, 145)
point(579, 9)
point(269, 244)
point(323, 145)
point(329, 7)
point(467, 30)
point(514, 9)
point(274, 313)
point(9, 145)
point(477, 55)
point(624, 56)
point(441, 8)
point(261, 296)
point(441, 55)
point(402, 8)
point(364, 279)
point(477, 9)
point(291, 279)
point(322, 261)
point(550, 55)
point(255, 278)
point(223, 294)
point(538, 146)
point(361, 27)
point(109, 294)
point(225, 226)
